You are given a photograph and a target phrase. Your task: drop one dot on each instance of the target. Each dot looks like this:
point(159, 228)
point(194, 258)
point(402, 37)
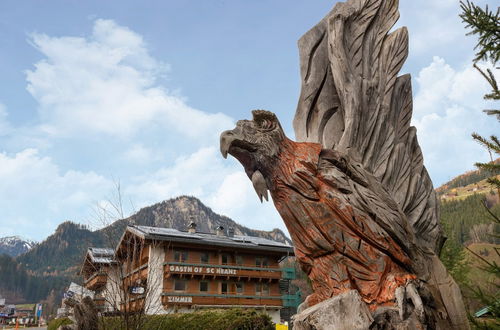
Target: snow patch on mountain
point(15, 245)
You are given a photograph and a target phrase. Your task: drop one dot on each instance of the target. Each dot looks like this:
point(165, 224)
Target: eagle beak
point(226, 139)
point(260, 185)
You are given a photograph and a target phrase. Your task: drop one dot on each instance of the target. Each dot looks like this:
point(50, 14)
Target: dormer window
point(261, 262)
point(204, 257)
point(180, 256)
point(225, 258)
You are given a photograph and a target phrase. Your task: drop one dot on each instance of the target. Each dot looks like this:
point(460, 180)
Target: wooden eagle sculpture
point(353, 191)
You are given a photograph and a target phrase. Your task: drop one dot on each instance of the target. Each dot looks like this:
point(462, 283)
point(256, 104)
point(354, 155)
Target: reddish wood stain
point(339, 248)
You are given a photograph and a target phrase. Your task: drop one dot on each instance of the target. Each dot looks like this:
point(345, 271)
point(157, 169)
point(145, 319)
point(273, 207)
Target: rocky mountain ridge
point(62, 252)
point(179, 212)
point(50, 265)
point(15, 245)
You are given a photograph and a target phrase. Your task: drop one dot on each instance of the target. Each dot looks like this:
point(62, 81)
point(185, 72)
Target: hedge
point(56, 323)
point(231, 319)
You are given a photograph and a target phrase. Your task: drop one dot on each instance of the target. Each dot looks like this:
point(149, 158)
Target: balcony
point(138, 274)
point(133, 305)
point(100, 303)
point(216, 299)
point(96, 281)
point(234, 271)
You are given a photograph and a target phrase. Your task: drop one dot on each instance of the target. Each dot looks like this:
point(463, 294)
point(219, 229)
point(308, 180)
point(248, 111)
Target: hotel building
point(165, 270)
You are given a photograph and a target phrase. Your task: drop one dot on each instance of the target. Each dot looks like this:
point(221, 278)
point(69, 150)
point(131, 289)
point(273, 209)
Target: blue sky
point(96, 92)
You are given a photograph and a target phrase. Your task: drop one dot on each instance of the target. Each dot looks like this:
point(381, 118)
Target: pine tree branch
point(494, 216)
point(480, 257)
point(487, 144)
point(494, 182)
point(489, 167)
point(492, 112)
point(496, 142)
point(484, 23)
point(490, 78)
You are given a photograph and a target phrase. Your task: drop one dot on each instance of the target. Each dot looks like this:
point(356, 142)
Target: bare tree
point(132, 281)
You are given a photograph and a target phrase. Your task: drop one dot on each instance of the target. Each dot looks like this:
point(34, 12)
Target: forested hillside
point(17, 285)
point(62, 252)
point(473, 236)
point(468, 221)
point(57, 260)
point(466, 179)
point(52, 264)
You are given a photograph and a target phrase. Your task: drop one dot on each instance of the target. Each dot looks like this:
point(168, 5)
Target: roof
point(236, 241)
point(487, 309)
point(80, 290)
point(101, 255)
point(25, 307)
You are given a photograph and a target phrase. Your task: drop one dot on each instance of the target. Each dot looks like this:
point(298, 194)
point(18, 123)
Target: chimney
point(230, 232)
point(220, 231)
point(192, 228)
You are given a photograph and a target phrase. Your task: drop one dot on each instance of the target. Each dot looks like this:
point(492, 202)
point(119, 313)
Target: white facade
point(113, 291)
point(153, 304)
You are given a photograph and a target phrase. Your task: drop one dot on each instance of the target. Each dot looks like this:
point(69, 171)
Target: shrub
point(231, 319)
point(56, 323)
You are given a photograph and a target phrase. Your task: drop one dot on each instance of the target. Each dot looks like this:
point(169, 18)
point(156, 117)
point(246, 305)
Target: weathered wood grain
point(353, 191)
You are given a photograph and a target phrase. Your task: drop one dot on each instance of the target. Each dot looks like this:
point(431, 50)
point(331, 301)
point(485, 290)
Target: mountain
point(466, 201)
point(466, 184)
point(61, 253)
point(56, 261)
point(15, 245)
point(18, 285)
point(179, 212)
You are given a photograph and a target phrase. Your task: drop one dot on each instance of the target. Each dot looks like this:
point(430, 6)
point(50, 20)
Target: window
point(261, 262)
point(261, 289)
point(180, 256)
point(224, 287)
point(180, 285)
point(265, 289)
point(203, 286)
point(226, 258)
point(239, 287)
point(239, 260)
point(204, 257)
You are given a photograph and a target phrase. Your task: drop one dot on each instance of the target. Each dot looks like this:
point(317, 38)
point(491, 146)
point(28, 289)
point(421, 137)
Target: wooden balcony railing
point(133, 305)
point(140, 273)
point(178, 298)
point(97, 280)
point(211, 270)
point(99, 302)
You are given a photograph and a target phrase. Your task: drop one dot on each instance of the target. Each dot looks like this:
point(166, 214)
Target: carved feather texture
point(352, 100)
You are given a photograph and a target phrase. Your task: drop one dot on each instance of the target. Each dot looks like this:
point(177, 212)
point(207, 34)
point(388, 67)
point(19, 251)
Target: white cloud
point(447, 110)
point(5, 126)
point(220, 184)
point(36, 192)
point(140, 154)
point(236, 198)
point(194, 174)
point(103, 88)
point(107, 83)
point(433, 25)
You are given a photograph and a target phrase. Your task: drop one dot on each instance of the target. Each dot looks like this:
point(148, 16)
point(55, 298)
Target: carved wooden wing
point(353, 100)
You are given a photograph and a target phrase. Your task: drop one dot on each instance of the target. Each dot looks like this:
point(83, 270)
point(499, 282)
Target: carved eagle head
point(255, 144)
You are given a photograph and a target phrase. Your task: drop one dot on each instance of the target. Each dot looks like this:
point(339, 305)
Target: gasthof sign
point(203, 270)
